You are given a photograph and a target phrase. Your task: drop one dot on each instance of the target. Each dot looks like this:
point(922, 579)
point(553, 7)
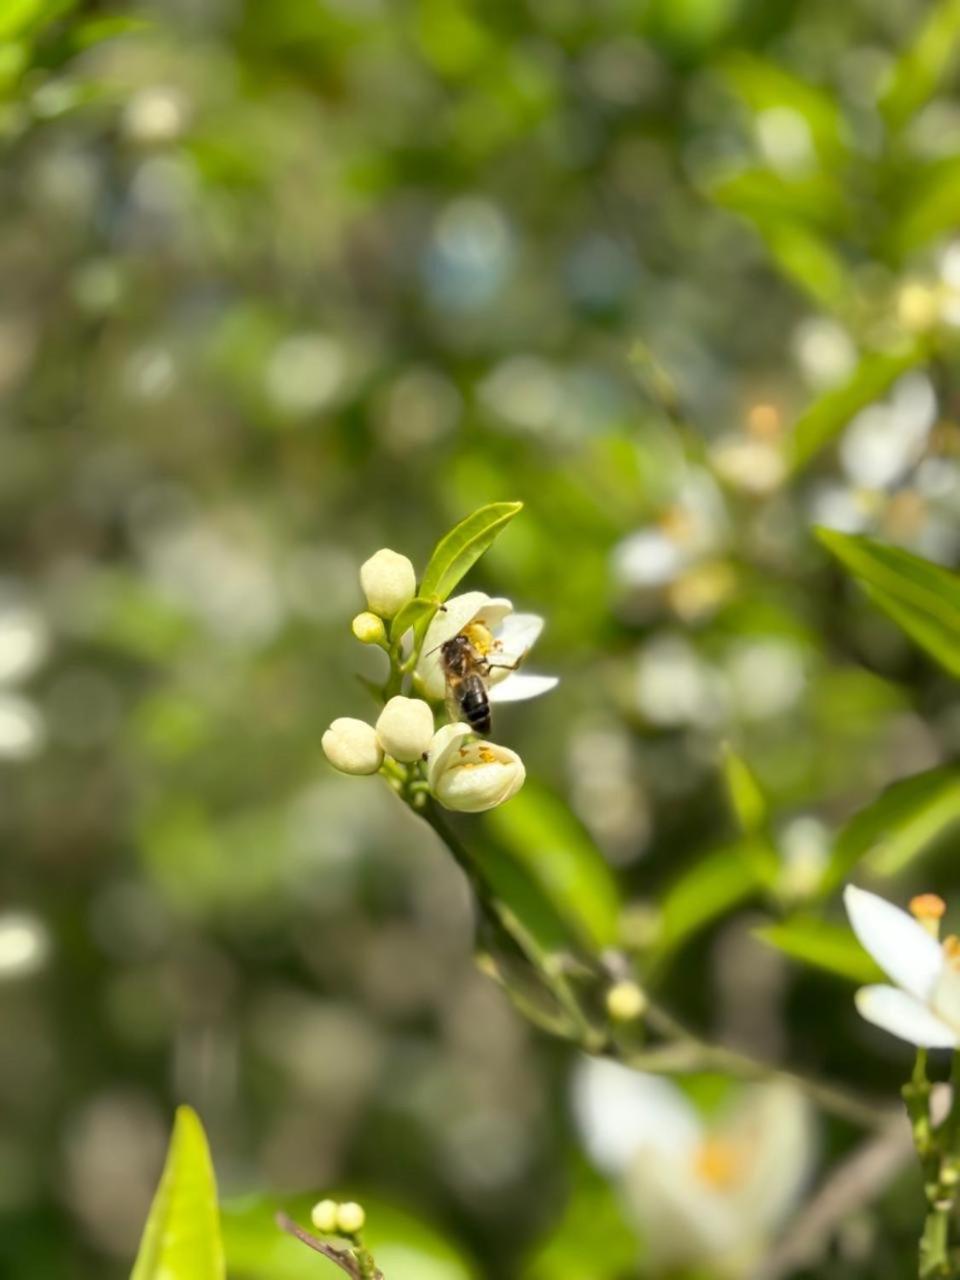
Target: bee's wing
point(453, 705)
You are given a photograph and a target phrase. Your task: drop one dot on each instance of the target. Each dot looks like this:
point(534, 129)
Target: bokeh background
point(284, 283)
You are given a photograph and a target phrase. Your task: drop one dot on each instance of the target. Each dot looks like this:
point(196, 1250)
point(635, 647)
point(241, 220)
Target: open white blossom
point(405, 728)
point(923, 1007)
point(388, 580)
point(471, 776)
point(502, 636)
point(700, 1194)
point(352, 746)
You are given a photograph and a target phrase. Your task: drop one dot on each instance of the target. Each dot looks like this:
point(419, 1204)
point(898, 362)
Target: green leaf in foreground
point(181, 1240)
point(832, 947)
point(543, 836)
point(898, 826)
point(921, 597)
point(416, 613)
point(826, 417)
point(459, 550)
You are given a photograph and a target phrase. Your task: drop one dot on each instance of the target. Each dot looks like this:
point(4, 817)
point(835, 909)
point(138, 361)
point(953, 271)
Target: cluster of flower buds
point(460, 770)
point(332, 1218)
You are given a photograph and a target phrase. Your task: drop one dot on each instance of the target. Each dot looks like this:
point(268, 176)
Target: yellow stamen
point(719, 1163)
point(951, 952)
point(928, 909)
point(480, 636)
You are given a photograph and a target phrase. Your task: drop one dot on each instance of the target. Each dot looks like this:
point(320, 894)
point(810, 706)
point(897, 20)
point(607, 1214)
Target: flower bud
point(405, 728)
point(350, 1218)
point(323, 1215)
point(369, 629)
point(471, 776)
point(389, 581)
point(352, 746)
point(625, 1001)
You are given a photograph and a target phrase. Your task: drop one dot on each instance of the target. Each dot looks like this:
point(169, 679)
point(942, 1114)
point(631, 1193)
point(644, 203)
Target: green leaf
point(930, 206)
point(181, 1240)
point(591, 1239)
point(405, 1247)
point(416, 613)
point(17, 15)
point(765, 86)
point(921, 597)
point(747, 800)
point(542, 835)
point(459, 550)
point(898, 826)
point(925, 63)
point(826, 417)
point(719, 881)
point(822, 944)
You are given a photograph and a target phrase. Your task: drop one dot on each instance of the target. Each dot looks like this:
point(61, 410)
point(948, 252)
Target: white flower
point(388, 580)
point(502, 636)
point(924, 1005)
point(405, 728)
point(471, 776)
point(352, 746)
point(709, 1195)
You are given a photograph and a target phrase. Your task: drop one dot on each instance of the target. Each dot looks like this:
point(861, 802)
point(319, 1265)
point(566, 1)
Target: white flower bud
point(323, 1215)
point(389, 580)
point(352, 746)
point(405, 728)
point(369, 629)
point(625, 1001)
point(350, 1218)
point(471, 776)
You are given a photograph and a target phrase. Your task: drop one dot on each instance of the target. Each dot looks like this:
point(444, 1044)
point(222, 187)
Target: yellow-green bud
point(323, 1215)
point(405, 728)
point(350, 1218)
point(368, 628)
point(388, 580)
point(625, 1001)
point(352, 746)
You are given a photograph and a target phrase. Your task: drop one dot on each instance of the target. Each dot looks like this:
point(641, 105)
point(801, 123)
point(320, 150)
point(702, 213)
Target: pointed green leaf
point(822, 944)
point(826, 417)
point(746, 799)
point(898, 826)
point(542, 835)
point(720, 880)
point(459, 550)
point(181, 1240)
point(921, 597)
point(924, 64)
point(415, 613)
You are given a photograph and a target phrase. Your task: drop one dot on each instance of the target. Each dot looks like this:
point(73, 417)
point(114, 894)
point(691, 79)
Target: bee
point(466, 668)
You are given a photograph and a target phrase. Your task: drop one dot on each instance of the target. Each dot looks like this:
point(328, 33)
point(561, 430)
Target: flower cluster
point(405, 745)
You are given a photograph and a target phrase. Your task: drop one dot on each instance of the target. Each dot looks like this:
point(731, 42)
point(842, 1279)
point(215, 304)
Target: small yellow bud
point(405, 728)
point(929, 909)
point(625, 1001)
point(350, 1218)
point(323, 1215)
point(352, 746)
point(388, 580)
point(368, 628)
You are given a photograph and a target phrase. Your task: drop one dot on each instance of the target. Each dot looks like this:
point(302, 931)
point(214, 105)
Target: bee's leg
point(504, 666)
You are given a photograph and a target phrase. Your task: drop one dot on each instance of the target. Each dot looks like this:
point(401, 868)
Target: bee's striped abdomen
point(474, 704)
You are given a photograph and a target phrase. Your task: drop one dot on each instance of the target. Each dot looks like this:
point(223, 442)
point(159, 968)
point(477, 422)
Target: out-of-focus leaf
point(16, 16)
point(459, 550)
point(415, 613)
point(591, 1241)
point(898, 826)
point(810, 261)
point(764, 86)
point(931, 206)
point(712, 886)
point(924, 64)
point(405, 1247)
point(921, 597)
point(181, 1240)
point(826, 417)
point(824, 945)
point(748, 801)
point(542, 834)
point(768, 199)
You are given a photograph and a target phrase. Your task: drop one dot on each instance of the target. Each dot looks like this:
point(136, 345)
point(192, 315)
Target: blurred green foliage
point(287, 283)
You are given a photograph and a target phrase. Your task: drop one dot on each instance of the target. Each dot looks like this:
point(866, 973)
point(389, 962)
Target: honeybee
point(466, 668)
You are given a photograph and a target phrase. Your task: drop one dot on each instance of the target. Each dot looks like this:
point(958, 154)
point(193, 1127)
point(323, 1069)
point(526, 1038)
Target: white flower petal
point(775, 1125)
point(520, 686)
point(901, 946)
point(472, 776)
point(517, 635)
point(445, 743)
point(684, 1221)
point(905, 1016)
point(621, 1112)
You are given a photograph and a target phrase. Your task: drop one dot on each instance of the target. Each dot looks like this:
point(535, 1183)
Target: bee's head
point(455, 645)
